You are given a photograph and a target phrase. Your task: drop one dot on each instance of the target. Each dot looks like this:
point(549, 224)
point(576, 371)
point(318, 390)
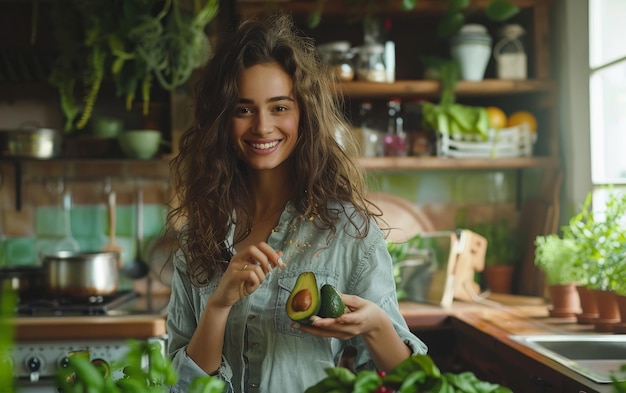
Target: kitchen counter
point(143, 317)
point(482, 332)
point(478, 329)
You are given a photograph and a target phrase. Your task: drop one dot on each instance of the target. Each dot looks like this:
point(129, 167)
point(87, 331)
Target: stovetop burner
point(73, 305)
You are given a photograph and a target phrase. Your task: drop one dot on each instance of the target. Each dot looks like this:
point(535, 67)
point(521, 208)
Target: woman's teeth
point(264, 146)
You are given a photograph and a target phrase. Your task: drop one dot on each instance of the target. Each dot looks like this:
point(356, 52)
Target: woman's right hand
point(245, 273)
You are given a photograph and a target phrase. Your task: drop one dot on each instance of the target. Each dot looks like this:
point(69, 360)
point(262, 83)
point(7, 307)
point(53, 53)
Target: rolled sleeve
point(188, 371)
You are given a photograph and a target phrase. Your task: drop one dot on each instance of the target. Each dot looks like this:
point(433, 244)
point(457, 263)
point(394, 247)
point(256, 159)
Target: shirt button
point(254, 385)
point(254, 345)
point(251, 316)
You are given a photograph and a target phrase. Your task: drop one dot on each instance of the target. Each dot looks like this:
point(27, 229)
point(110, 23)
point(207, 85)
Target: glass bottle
point(509, 53)
point(371, 136)
point(395, 139)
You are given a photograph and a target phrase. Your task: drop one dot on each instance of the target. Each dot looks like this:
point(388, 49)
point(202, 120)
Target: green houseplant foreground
point(592, 248)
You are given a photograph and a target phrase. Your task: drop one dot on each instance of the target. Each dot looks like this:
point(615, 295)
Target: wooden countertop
point(496, 319)
point(145, 319)
point(89, 327)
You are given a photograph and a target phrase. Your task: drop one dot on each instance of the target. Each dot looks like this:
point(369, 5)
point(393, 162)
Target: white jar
point(471, 48)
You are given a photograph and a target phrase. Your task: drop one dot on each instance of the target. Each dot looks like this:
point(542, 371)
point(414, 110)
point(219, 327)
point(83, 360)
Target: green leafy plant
point(399, 251)
point(600, 237)
point(619, 385)
point(82, 376)
point(8, 300)
point(555, 256)
point(417, 374)
point(504, 244)
point(134, 42)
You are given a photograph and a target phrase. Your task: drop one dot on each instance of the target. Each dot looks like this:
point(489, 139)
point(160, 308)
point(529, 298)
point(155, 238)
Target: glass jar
point(370, 64)
point(338, 55)
point(509, 53)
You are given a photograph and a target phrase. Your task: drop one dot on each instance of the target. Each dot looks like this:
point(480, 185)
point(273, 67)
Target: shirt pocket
point(286, 282)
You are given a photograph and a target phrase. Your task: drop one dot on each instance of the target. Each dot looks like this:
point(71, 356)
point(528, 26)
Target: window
point(607, 84)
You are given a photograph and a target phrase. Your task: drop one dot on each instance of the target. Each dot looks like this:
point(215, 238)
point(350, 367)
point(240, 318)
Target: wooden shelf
point(447, 163)
point(431, 88)
point(425, 7)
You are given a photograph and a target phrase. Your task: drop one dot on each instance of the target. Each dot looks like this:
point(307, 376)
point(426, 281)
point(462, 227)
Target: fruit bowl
point(140, 144)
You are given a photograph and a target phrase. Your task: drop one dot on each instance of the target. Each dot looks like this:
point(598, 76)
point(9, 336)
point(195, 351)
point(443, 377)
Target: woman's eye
point(243, 111)
point(280, 108)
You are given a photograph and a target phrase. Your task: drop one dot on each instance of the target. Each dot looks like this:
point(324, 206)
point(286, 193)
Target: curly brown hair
point(210, 180)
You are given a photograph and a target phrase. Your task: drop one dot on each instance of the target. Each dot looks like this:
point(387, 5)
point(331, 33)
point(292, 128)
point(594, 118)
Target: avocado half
point(304, 300)
point(331, 304)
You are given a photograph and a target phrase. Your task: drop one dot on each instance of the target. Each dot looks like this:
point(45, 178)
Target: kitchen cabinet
point(414, 34)
point(469, 336)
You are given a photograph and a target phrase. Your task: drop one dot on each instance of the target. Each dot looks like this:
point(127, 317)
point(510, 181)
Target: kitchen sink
point(594, 356)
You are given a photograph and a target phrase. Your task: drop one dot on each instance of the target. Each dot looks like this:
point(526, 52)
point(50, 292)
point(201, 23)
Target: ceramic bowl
point(140, 144)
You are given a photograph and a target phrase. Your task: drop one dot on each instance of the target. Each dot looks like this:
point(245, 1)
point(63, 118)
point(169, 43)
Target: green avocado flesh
point(304, 300)
point(332, 306)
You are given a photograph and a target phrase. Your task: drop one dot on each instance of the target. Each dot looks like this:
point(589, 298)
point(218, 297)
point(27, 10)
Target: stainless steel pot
point(32, 142)
point(81, 273)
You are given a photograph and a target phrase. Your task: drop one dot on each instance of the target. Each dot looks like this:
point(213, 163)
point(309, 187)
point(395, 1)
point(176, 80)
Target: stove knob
point(64, 362)
point(34, 364)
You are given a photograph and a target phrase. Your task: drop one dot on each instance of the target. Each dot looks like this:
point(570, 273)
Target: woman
point(265, 193)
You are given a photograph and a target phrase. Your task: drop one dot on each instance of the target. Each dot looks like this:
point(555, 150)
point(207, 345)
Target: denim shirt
point(262, 352)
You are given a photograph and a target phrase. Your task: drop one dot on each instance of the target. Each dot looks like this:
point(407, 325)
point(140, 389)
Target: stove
point(48, 330)
point(73, 305)
point(36, 364)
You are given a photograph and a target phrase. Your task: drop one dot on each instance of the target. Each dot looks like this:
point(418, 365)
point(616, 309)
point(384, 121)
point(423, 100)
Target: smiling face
point(265, 121)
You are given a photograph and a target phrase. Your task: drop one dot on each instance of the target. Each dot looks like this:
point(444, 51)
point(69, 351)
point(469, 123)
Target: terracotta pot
point(499, 278)
point(620, 327)
point(565, 300)
point(588, 304)
point(607, 309)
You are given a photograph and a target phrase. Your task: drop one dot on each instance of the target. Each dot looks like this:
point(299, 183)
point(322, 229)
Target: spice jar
point(338, 55)
point(370, 64)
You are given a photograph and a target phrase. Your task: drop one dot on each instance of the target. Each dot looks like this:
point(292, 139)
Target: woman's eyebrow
point(273, 99)
point(280, 98)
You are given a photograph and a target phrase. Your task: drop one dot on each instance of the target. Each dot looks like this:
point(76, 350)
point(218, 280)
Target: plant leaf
point(450, 24)
point(500, 10)
point(408, 5)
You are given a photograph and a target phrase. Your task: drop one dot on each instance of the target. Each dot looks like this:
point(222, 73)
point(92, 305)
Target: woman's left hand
point(362, 317)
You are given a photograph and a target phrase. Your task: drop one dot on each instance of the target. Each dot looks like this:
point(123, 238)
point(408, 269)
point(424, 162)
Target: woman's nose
point(264, 123)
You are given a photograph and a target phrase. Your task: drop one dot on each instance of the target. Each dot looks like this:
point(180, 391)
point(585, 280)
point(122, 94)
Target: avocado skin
point(305, 280)
point(332, 306)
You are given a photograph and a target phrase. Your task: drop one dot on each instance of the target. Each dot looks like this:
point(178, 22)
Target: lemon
point(497, 117)
point(521, 117)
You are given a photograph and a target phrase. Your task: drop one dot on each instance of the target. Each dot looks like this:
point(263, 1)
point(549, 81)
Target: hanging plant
point(135, 42)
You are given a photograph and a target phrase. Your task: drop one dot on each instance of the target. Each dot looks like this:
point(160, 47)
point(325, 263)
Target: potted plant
point(556, 257)
point(504, 247)
point(600, 237)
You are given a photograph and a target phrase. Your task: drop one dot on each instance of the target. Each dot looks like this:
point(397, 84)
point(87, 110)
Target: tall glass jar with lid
point(370, 63)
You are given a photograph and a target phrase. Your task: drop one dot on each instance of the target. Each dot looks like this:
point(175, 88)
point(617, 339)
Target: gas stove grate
point(84, 305)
